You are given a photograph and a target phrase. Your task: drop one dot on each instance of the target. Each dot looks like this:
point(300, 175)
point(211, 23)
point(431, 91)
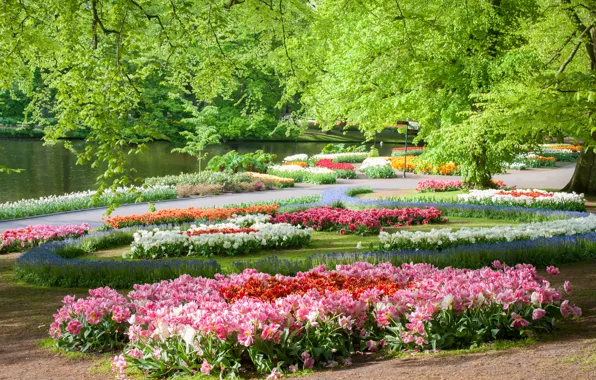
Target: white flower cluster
point(297, 168)
point(156, 243)
point(517, 197)
point(516, 166)
point(331, 156)
point(249, 219)
point(437, 238)
point(296, 157)
point(374, 161)
point(80, 195)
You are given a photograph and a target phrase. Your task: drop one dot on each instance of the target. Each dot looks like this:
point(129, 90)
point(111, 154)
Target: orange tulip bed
point(414, 164)
point(185, 215)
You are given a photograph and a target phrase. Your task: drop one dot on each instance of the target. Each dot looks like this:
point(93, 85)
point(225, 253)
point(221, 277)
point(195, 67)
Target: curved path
point(552, 178)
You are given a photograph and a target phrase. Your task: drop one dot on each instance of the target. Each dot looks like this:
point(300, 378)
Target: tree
point(558, 97)
point(100, 62)
point(205, 134)
point(379, 61)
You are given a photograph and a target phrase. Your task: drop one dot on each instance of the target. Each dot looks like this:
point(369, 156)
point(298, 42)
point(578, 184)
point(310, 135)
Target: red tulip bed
point(361, 222)
point(278, 324)
point(341, 169)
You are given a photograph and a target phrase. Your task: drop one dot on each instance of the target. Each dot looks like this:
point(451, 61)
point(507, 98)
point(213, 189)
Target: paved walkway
point(552, 178)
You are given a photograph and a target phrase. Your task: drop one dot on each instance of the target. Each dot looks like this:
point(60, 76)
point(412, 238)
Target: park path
point(552, 178)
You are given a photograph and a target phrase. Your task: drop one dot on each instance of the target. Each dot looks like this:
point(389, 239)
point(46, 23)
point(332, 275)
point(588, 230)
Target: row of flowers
point(82, 200)
point(315, 175)
point(411, 150)
point(186, 215)
point(211, 240)
point(417, 165)
point(317, 318)
point(443, 238)
point(525, 198)
point(377, 167)
point(433, 185)
point(24, 238)
point(360, 222)
point(268, 177)
point(342, 170)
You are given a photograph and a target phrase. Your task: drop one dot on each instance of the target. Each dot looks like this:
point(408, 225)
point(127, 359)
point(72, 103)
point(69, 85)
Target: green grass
point(321, 242)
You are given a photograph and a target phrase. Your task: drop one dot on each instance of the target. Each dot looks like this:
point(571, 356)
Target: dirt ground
point(26, 312)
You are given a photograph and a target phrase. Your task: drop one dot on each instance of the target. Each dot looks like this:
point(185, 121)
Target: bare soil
point(26, 312)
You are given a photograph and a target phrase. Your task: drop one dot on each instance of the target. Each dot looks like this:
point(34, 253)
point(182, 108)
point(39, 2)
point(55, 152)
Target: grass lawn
point(321, 242)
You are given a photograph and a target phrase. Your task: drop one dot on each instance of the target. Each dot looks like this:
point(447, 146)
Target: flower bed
point(185, 215)
point(361, 222)
point(297, 163)
point(377, 167)
point(280, 182)
point(527, 198)
point(415, 164)
point(24, 238)
point(432, 185)
point(300, 174)
point(412, 150)
point(531, 160)
point(223, 239)
point(321, 317)
point(349, 157)
point(297, 157)
point(83, 200)
point(437, 239)
point(342, 170)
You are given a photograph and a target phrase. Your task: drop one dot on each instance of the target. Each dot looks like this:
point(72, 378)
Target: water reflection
point(52, 169)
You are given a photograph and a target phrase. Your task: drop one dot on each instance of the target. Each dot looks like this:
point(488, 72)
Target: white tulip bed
point(227, 239)
point(446, 237)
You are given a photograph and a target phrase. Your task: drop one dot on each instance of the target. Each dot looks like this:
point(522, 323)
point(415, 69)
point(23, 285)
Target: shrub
point(234, 162)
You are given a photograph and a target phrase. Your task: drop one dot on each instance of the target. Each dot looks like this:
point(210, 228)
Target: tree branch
point(283, 34)
point(574, 51)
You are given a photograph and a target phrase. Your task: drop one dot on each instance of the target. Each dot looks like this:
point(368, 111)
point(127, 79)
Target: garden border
point(73, 272)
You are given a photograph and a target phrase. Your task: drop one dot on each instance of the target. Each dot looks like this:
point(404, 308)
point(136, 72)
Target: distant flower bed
point(566, 148)
point(526, 198)
point(412, 150)
point(443, 238)
point(279, 181)
point(350, 157)
point(297, 163)
point(212, 240)
point(431, 185)
point(415, 164)
point(296, 157)
point(21, 239)
point(317, 318)
point(361, 222)
point(377, 167)
point(185, 215)
point(316, 175)
point(342, 170)
point(83, 200)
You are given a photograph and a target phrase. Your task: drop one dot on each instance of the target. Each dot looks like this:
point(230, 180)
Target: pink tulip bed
point(278, 324)
point(24, 238)
point(361, 222)
point(431, 185)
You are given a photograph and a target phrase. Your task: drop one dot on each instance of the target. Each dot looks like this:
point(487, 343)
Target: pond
point(52, 170)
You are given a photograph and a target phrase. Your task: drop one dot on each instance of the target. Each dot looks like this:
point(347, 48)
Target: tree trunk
point(584, 177)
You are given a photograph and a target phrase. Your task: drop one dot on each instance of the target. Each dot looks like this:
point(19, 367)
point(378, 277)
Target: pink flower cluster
point(23, 238)
point(438, 185)
point(329, 164)
point(192, 315)
point(359, 221)
point(104, 303)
